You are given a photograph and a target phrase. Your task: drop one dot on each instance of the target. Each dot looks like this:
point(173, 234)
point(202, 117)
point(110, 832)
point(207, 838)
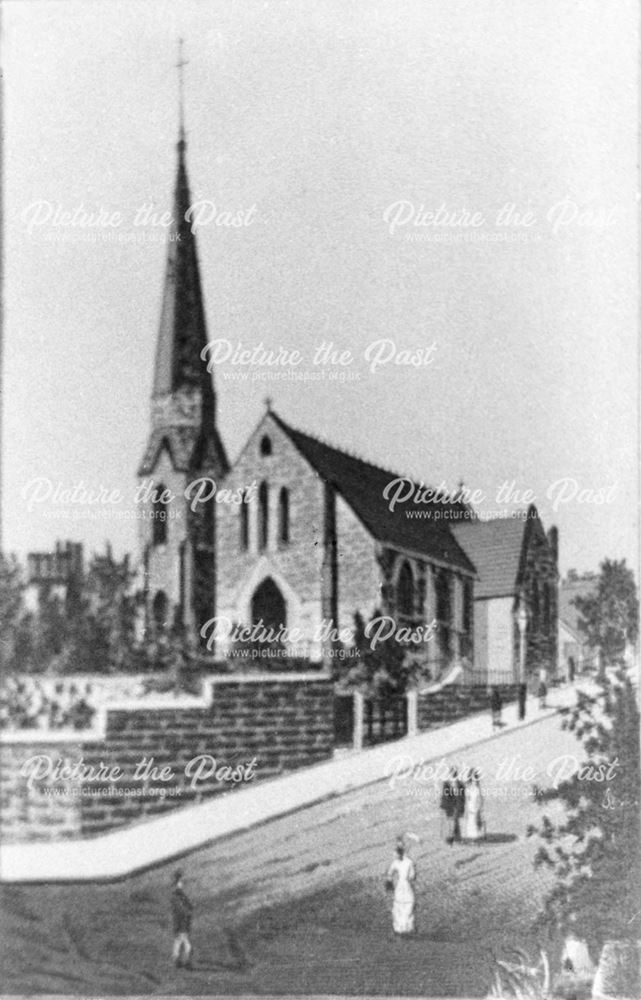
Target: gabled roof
point(495, 547)
point(361, 485)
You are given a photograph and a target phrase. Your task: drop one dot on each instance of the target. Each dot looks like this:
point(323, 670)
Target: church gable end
point(281, 522)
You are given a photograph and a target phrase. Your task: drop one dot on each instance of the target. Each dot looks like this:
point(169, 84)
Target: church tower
point(178, 543)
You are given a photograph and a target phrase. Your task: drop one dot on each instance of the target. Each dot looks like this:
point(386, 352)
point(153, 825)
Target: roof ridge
point(350, 454)
point(516, 516)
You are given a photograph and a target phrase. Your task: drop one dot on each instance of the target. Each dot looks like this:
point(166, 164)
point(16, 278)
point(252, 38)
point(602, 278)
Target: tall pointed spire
point(182, 333)
point(180, 65)
point(183, 443)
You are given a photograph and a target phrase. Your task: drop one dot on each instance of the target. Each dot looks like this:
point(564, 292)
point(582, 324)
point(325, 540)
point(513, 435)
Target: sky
point(447, 190)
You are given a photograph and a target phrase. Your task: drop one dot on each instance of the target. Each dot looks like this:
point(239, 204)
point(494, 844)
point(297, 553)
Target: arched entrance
point(269, 604)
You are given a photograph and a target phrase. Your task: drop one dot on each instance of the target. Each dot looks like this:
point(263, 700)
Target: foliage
point(593, 848)
point(388, 669)
point(520, 979)
point(177, 657)
point(11, 588)
point(257, 654)
point(609, 616)
point(91, 628)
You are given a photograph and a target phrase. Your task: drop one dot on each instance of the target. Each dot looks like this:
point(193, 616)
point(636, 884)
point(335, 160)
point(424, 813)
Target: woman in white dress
point(401, 876)
point(473, 824)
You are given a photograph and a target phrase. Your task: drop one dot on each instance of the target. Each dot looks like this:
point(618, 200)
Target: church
point(312, 540)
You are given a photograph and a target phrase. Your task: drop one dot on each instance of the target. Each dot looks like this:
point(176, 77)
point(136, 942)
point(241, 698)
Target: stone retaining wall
point(249, 729)
point(438, 708)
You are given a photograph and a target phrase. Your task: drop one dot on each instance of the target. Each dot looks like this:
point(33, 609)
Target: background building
point(517, 564)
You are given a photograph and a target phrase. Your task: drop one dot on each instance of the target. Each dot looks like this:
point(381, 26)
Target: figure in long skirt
point(402, 875)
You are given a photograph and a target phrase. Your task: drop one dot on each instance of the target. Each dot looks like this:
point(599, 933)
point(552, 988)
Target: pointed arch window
point(263, 515)
point(159, 517)
point(160, 611)
point(467, 643)
point(443, 612)
point(536, 607)
point(468, 606)
point(405, 591)
point(244, 522)
point(547, 608)
point(283, 516)
point(443, 598)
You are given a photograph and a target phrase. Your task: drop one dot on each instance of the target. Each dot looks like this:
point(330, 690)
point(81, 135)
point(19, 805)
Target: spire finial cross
point(182, 62)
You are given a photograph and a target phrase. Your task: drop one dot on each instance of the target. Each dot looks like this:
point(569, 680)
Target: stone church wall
point(164, 560)
point(359, 573)
point(296, 566)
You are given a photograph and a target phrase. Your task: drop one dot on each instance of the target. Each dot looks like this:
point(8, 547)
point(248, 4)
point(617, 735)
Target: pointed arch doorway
point(269, 605)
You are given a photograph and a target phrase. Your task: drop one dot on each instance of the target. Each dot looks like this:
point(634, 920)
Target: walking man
point(459, 806)
point(453, 805)
point(448, 805)
point(181, 911)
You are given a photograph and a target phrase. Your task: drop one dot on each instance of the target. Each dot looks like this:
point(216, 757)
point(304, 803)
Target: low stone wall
point(49, 812)
point(438, 708)
point(245, 729)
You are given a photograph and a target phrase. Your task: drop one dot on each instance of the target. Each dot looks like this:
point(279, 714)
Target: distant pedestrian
point(181, 911)
point(496, 706)
point(522, 700)
point(453, 805)
point(448, 805)
point(473, 825)
point(459, 808)
point(543, 692)
point(571, 669)
point(543, 686)
point(401, 877)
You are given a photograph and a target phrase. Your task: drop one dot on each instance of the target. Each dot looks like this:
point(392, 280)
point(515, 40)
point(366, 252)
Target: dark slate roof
point(361, 485)
point(182, 333)
point(568, 590)
point(495, 548)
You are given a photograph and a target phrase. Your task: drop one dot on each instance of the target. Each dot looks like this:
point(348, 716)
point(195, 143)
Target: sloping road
point(297, 905)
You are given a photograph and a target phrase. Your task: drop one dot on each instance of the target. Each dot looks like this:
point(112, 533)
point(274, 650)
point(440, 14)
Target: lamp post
point(521, 621)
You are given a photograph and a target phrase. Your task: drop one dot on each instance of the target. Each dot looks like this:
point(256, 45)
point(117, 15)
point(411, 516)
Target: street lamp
point(521, 621)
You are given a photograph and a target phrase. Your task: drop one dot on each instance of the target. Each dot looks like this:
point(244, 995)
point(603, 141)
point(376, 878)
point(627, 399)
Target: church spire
point(182, 333)
point(180, 65)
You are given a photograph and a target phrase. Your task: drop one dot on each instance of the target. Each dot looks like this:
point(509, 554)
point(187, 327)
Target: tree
point(11, 589)
point(89, 629)
point(593, 848)
point(110, 612)
point(609, 615)
point(389, 668)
